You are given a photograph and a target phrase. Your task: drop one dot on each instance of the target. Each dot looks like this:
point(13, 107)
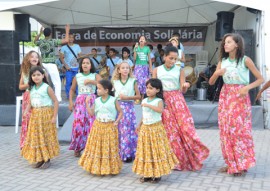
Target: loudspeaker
point(22, 27)
point(224, 24)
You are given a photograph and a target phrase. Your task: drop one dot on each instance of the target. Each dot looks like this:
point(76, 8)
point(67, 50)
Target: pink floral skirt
point(25, 117)
point(179, 125)
point(234, 120)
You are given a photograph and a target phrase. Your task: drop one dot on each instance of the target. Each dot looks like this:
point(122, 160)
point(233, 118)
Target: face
point(142, 40)
point(37, 77)
point(101, 91)
point(151, 91)
point(86, 65)
point(71, 38)
point(230, 45)
point(161, 53)
point(170, 59)
point(125, 55)
point(124, 69)
point(34, 59)
point(107, 48)
point(94, 52)
point(111, 53)
point(174, 43)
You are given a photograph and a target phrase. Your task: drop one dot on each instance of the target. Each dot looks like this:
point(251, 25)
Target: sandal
point(155, 180)
point(45, 165)
point(241, 173)
point(128, 160)
point(77, 153)
point(223, 169)
point(143, 179)
point(38, 164)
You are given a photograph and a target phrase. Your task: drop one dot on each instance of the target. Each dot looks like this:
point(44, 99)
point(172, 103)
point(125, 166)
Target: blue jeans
point(69, 77)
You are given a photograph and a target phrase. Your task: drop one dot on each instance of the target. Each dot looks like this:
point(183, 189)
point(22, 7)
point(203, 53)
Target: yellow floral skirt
point(101, 154)
point(41, 142)
point(154, 156)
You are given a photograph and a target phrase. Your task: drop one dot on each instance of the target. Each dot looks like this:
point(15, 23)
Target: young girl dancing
point(234, 112)
point(176, 116)
point(143, 64)
point(154, 157)
point(41, 142)
point(101, 154)
point(126, 91)
point(32, 58)
point(86, 80)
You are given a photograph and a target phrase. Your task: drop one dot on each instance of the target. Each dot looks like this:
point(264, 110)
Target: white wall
point(7, 21)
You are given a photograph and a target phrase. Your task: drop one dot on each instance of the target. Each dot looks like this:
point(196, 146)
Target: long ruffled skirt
point(141, 72)
point(234, 119)
point(154, 157)
point(126, 130)
point(41, 142)
point(82, 123)
point(25, 117)
point(101, 154)
point(179, 125)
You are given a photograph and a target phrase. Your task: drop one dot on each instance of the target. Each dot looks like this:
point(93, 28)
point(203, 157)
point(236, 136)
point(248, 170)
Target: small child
point(86, 81)
point(125, 57)
point(41, 142)
point(154, 156)
point(126, 91)
point(101, 154)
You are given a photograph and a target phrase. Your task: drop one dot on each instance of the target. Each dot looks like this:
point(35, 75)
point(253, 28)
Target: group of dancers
point(104, 132)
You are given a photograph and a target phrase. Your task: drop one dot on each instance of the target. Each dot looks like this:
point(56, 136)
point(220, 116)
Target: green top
point(150, 116)
point(105, 111)
point(142, 55)
point(235, 74)
point(39, 96)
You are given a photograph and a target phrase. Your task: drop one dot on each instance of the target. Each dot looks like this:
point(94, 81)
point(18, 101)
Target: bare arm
point(66, 39)
point(120, 113)
point(62, 58)
point(55, 104)
point(154, 74)
point(150, 63)
point(71, 93)
point(217, 73)
point(266, 85)
point(38, 35)
point(93, 82)
point(137, 94)
point(91, 111)
point(22, 86)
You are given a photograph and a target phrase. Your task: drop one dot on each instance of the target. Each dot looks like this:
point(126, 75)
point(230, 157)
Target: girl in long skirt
point(154, 157)
point(86, 80)
point(176, 117)
point(32, 58)
point(41, 142)
point(101, 154)
point(143, 65)
point(126, 91)
point(234, 112)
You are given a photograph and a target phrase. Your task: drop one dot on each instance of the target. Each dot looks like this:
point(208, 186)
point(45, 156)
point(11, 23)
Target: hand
point(259, 95)
point(115, 123)
point(145, 105)
point(87, 81)
point(67, 67)
point(185, 87)
point(220, 72)
point(122, 96)
point(67, 27)
point(243, 91)
point(70, 107)
point(53, 120)
point(41, 30)
point(137, 130)
point(87, 100)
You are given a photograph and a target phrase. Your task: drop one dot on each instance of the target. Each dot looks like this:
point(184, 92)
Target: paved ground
point(65, 174)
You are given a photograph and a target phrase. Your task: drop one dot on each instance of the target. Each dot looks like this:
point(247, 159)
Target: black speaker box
point(22, 27)
point(224, 24)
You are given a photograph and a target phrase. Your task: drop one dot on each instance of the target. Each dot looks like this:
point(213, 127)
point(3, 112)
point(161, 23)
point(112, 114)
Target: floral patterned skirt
point(126, 130)
point(41, 142)
point(25, 117)
point(154, 157)
point(234, 119)
point(82, 123)
point(141, 72)
point(179, 125)
point(101, 154)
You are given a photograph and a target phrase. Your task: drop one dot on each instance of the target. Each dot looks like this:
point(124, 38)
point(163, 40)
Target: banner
point(119, 37)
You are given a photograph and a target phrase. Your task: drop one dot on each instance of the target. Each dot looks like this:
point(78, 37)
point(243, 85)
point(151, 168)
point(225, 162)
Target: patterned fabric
point(141, 72)
point(82, 123)
point(41, 143)
point(46, 47)
point(179, 125)
point(25, 117)
point(126, 129)
point(101, 154)
point(154, 157)
point(234, 119)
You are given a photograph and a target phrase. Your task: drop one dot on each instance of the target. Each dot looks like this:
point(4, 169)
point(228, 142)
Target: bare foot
point(223, 169)
point(241, 173)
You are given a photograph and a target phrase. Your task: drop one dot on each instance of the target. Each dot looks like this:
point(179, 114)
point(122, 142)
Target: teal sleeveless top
point(149, 115)
point(39, 96)
point(105, 111)
point(85, 89)
point(169, 77)
point(235, 73)
point(126, 88)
